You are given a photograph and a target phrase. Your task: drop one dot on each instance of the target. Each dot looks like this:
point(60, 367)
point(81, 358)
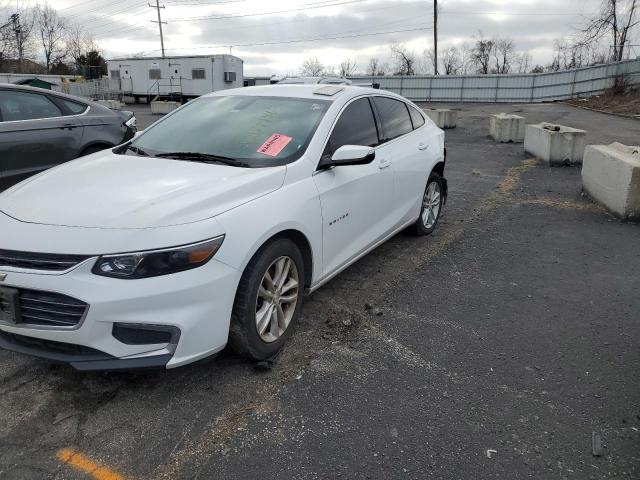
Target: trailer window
point(198, 74)
point(155, 74)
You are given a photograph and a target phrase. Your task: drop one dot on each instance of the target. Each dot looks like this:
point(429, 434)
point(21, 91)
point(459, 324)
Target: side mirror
point(350, 155)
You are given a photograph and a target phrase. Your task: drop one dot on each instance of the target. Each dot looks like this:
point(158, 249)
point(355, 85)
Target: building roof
point(30, 80)
point(177, 57)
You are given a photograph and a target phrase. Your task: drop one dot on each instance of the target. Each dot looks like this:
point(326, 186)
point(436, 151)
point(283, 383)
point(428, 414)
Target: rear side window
point(416, 117)
point(75, 107)
point(356, 126)
point(26, 106)
point(395, 117)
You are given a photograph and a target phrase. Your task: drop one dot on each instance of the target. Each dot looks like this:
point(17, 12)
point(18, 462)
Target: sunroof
point(329, 90)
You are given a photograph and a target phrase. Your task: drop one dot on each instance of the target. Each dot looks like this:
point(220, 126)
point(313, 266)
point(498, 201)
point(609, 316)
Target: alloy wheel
point(431, 205)
point(277, 299)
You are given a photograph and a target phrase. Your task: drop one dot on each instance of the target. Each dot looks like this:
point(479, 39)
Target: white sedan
point(208, 228)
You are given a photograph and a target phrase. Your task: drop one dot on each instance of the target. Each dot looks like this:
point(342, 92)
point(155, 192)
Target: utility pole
point(435, 36)
point(159, 22)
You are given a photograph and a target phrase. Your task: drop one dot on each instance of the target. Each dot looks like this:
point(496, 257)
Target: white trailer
point(174, 77)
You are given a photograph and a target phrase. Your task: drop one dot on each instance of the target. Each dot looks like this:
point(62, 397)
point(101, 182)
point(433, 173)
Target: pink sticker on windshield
point(274, 144)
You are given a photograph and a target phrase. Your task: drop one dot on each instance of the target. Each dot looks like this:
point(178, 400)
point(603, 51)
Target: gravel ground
point(494, 349)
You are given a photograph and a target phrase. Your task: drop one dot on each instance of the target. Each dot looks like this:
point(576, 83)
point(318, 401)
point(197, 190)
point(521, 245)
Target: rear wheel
point(432, 202)
point(267, 301)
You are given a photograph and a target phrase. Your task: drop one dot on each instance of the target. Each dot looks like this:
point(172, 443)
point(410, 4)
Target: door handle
point(68, 125)
point(422, 146)
point(384, 163)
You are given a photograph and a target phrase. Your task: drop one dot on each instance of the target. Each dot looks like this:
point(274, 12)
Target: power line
point(305, 40)
point(308, 6)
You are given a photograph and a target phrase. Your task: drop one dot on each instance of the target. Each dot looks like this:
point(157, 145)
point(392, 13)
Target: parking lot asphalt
point(497, 348)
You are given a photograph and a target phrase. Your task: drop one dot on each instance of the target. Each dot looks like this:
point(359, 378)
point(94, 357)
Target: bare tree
point(16, 34)
point(375, 68)
point(429, 61)
point(405, 60)
point(451, 61)
point(524, 62)
point(347, 67)
point(481, 54)
point(503, 52)
point(466, 58)
point(616, 18)
point(312, 67)
point(52, 34)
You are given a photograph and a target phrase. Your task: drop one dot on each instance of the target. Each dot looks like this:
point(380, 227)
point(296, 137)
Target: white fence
point(542, 87)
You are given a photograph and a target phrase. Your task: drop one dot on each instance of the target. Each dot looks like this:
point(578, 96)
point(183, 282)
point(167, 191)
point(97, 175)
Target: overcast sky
point(365, 28)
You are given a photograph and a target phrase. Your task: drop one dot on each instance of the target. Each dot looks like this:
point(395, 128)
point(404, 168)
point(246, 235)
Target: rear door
point(411, 165)
point(37, 132)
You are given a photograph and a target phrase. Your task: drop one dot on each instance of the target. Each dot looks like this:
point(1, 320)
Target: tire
point(254, 332)
point(426, 223)
point(93, 149)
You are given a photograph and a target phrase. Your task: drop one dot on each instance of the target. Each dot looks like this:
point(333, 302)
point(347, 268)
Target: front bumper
point(197, 303)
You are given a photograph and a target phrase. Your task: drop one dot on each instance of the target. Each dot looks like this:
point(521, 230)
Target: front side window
point(356, 126)
point(258, 131)
point(395, 117)
point(26, 106)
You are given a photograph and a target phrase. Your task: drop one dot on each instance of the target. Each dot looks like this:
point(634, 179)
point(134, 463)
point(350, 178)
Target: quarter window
point(75, 107)
point(26, 106)
point(395, 117)
point(356, 126)
point(416, 117)
point(198, 74)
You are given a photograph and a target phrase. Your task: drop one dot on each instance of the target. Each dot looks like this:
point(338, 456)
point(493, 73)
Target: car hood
point(106, 190)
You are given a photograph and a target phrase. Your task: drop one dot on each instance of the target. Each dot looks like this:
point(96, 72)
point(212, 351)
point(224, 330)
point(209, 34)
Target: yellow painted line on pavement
point(83, 464)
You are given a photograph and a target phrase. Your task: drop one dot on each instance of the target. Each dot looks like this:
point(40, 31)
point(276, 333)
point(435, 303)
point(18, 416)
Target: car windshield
point(254, 131)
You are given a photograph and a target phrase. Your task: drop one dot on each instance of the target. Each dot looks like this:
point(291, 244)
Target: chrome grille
point(39, 261)
point(50, 309)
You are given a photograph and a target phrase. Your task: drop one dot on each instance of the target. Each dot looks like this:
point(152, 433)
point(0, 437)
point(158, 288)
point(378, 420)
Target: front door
point(356, 200)
point(34, 135)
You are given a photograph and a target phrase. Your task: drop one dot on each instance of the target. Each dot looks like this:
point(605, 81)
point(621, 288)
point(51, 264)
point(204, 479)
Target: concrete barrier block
point(442, 117)
point(611, 176)
point(507, 128)
point(112, 104)
point(162, 108)
point(555, 144)
point(128, 100)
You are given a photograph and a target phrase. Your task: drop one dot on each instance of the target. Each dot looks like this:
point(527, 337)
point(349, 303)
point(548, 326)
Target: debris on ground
point(596, 444)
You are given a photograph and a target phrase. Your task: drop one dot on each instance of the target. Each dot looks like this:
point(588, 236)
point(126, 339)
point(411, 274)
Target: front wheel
point(432, 203)
point(268, 298)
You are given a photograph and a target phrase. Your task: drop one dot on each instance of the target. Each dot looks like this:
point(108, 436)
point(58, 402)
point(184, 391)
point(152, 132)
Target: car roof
point(309, 91)
point(26, 88)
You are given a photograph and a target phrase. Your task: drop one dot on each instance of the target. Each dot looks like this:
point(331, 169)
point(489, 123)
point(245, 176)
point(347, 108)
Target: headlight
point(154, 263)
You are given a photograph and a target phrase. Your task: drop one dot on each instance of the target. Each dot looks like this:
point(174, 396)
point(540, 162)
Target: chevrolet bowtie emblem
point(2, 277)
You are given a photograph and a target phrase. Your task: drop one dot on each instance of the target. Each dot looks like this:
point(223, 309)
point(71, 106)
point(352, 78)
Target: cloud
point(122, 30)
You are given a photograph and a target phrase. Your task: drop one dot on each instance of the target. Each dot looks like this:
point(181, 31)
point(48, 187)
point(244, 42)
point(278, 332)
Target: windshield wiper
point(137, 150)
point(203, 157)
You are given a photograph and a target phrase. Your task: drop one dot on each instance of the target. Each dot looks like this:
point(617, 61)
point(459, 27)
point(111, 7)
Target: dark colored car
point(40, 129)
